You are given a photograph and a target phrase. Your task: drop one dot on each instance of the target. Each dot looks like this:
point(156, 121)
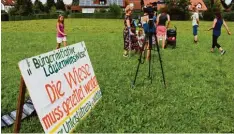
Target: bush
point(17, 18)
point(4, 16)
point(102, 10)
point(53, 16)
point(208, 15)
point(115, 10)
point(12, 11)
point(177, 13)
point(178, 9)
point(76, 15)
point(228, 16)
point(71, 15)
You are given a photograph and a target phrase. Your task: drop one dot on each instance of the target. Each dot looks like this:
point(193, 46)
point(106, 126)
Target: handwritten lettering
point(77, 75)
point(52, 117)
point(92, 83)
point(73, 100)
point(54, 91)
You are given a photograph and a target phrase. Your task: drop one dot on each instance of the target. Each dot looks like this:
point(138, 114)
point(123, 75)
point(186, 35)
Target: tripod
point(149, 36)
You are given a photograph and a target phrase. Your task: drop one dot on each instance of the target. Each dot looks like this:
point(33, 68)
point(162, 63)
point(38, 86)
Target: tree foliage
point(60, 5)
point(50, 4)
point(115, 9)
point(38, 6)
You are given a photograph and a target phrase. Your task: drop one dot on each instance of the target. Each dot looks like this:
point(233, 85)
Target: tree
point(178, 8)
point(23, 7)
point(211, 3)
point(115, 10)
point(38, 6)
point(52, 10)
point(60, 5)
point(49, 4)
point(217, 5)
point(75, 2)
point(12, 11)
point(207, 3)
point(29, 6)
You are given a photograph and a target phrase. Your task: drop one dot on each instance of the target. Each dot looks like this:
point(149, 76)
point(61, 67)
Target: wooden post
point(20, 104)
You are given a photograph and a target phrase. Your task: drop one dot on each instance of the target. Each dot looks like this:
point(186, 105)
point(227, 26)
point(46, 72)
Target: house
point(7, 4)
point(160, 3)
point(76, 8)
point(137, 4)
point(201, 6)
point(89, 6)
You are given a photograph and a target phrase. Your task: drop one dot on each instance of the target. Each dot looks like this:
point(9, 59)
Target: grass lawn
point(199, 96)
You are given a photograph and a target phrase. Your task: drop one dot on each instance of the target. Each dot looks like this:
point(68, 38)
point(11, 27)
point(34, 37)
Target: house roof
point(76, 8)
point(8, 2)
point(199, 4)
point(146, 2)
point(159, 5)
point(91, 3)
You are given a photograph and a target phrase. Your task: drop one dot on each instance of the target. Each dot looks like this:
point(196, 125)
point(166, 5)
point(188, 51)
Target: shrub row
point(33, 17)
point(208, 15)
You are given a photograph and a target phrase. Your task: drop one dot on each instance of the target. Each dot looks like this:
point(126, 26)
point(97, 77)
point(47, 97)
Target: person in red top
point(61, 36)
point(162, 26)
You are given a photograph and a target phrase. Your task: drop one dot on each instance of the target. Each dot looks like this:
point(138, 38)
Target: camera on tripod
point(149, 27)
point(150, 9)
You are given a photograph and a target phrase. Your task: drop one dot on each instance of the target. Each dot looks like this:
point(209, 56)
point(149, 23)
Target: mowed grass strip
point(200, 85)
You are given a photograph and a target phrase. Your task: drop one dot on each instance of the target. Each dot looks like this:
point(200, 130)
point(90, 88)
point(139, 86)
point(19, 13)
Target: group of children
point(216, 27)
point(148, 26)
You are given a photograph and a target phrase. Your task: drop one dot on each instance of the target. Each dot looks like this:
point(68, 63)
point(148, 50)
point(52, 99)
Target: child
point(217, 24)
point(61, 36)
point(195, 23)
point(140, 38)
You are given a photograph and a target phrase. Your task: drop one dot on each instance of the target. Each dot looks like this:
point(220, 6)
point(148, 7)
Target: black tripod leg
point(139, 62)
point(159, 56)
point(150, 48)
point(138, 66)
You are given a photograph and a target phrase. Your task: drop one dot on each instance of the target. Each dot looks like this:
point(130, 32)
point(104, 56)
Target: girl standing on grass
point(195, 23)
point(61, 36)
point(217, 24)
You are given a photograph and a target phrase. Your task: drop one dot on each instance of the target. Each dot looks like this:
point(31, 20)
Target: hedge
point(206, 16)
point(4, 17)
point(209, 16)
point(72, 15)
point(94, 15)
point(33, 17)
point(228, 16)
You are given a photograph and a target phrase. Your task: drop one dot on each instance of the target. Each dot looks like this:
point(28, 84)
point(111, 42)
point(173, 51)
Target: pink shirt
point(61, 28)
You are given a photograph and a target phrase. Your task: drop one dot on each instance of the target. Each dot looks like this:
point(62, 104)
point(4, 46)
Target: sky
point(65, 1)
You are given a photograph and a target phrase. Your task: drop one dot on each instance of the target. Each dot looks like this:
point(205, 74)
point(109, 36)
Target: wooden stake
point(20, 104)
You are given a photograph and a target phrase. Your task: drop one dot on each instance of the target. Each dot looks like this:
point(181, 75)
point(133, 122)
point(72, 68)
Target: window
point(102, 2)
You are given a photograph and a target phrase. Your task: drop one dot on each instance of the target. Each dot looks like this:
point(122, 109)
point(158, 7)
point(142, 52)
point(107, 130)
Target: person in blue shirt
point(217, 24)
point(150, 31)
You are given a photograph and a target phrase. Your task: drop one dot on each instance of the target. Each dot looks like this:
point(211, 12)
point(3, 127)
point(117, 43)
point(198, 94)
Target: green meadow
point(200, 85)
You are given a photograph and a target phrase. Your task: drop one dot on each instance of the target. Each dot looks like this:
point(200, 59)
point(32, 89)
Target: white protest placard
point(62, 86)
